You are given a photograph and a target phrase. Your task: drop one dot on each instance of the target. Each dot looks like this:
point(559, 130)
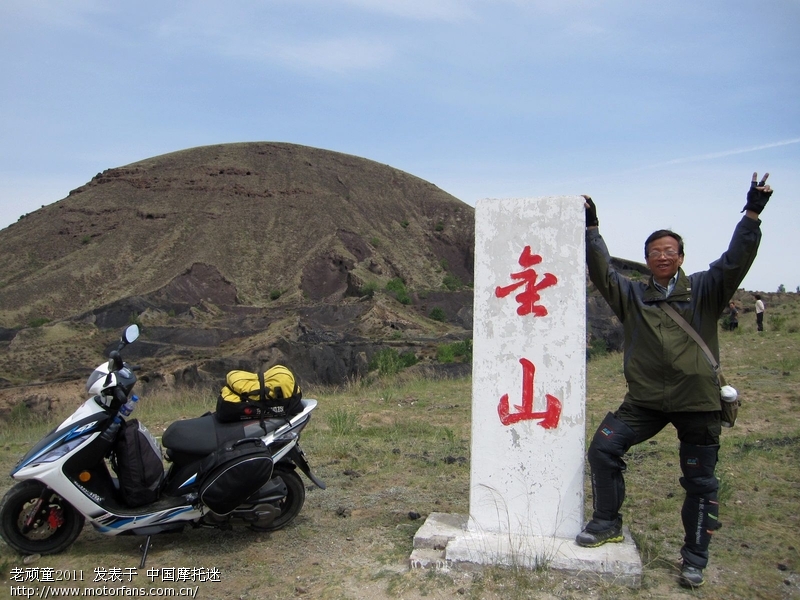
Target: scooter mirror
point(131, 334)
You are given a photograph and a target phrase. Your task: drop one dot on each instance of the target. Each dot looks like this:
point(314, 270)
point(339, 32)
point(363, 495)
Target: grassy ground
point(396, 449)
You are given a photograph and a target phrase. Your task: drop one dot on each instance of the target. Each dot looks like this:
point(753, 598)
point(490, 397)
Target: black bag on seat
point(137, 462)
point(234, 473)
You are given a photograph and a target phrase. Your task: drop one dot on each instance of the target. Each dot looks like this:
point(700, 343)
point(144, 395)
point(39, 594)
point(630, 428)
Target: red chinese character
point(550, 416)
point(530, 295)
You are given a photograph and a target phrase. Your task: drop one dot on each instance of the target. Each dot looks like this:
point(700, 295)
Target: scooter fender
point(297, 456)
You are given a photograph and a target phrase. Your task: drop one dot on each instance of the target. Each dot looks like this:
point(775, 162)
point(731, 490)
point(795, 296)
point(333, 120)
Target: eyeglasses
point(654, 254)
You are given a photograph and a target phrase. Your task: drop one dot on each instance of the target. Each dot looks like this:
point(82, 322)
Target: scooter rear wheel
point(33, 527)
point(290, 505)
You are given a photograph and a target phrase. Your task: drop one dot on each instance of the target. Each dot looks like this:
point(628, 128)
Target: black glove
point(591, 213)
point(758, 194)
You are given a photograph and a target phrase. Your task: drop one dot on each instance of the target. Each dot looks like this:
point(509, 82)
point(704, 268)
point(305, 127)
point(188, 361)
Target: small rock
point(343, 512)
point(782, 567)
point(31, 558)
point(414, 515)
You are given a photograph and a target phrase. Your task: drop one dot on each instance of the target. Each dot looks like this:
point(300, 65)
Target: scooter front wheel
point(36, 520)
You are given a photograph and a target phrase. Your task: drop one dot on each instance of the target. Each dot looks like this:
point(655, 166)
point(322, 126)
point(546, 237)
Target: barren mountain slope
point(269, 217)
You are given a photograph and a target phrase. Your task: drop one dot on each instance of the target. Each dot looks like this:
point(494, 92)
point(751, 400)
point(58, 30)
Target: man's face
point(663, 259)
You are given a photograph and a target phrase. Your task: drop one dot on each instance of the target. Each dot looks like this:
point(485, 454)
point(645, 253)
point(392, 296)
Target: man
point(670, 379)
point(759, 313)
point(733, 316)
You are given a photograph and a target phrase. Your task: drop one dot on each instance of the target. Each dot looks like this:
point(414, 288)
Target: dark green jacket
point(665, 369)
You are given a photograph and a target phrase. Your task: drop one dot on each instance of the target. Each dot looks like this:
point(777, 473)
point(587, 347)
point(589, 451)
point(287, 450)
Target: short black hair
point(657, 235)
point(758, 296)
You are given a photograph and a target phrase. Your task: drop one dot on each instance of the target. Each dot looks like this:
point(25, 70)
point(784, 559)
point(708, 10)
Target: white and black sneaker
point(691, 576)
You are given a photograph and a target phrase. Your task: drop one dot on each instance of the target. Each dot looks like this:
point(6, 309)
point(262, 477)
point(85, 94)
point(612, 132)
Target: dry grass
point(395, 447)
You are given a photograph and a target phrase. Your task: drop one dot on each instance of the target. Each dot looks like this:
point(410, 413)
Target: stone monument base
point(445, 542)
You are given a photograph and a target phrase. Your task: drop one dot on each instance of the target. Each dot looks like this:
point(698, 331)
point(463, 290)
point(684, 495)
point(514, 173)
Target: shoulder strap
point(667, 308)
point(261, 391)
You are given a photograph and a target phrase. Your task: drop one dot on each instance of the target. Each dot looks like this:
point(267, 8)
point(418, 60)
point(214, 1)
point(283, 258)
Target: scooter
point(220, 474)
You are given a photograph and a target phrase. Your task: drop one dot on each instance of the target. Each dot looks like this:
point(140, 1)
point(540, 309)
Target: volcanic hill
point(235, 256)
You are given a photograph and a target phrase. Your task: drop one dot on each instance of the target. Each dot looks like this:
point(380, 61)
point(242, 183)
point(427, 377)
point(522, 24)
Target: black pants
point(698, 433)
point(760, 321)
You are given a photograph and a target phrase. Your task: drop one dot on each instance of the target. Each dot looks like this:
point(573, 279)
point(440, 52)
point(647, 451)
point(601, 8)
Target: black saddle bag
point(234, 473)
point(137, 461)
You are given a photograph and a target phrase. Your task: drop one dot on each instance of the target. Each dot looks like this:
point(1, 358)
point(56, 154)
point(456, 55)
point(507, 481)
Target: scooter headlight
point(58, 452)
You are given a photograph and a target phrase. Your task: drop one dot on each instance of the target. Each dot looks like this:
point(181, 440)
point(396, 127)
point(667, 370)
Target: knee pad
point(697, 465)
point(611, 441)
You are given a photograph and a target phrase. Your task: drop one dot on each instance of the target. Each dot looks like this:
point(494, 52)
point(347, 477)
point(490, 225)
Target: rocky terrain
point(234, 256)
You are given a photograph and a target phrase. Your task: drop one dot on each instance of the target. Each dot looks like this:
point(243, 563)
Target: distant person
point(669, 377)
point(733, 316)
point(759, 313)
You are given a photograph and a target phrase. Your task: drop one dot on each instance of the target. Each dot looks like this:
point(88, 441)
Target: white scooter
point(220, 473)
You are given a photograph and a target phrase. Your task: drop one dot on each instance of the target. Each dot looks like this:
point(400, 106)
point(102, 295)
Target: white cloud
point(722, 154)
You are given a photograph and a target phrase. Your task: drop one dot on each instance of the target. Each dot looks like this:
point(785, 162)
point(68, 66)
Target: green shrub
point(398, 289)
point(38, 322)
point(597, 348)
point(368, 289)
point(455, 352)
point(445, 354)
point(452, 282)
point(439, 226)
point(395, 285)
point(776, 322)
point(390, 362)
point(437, 314)
point(275, 294)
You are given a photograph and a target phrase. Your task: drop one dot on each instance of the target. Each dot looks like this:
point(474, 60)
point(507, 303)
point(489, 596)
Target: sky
point(661, 111)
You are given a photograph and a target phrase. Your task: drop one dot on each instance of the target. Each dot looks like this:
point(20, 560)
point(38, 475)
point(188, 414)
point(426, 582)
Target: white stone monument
point(529, 367)
point(528, 398)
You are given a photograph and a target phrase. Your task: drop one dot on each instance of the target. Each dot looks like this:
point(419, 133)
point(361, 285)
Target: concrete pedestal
point(445, 543)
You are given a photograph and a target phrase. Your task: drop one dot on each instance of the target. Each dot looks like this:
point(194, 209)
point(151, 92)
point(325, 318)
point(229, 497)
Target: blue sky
point(660, 111)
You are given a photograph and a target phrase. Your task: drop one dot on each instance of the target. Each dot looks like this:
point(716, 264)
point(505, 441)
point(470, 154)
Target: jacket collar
point(682, 292)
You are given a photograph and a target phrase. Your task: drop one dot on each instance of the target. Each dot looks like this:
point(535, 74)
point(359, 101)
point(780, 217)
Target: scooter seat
point(203, 435)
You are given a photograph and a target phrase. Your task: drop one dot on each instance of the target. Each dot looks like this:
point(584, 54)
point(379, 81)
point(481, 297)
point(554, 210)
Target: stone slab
point(444, 542)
